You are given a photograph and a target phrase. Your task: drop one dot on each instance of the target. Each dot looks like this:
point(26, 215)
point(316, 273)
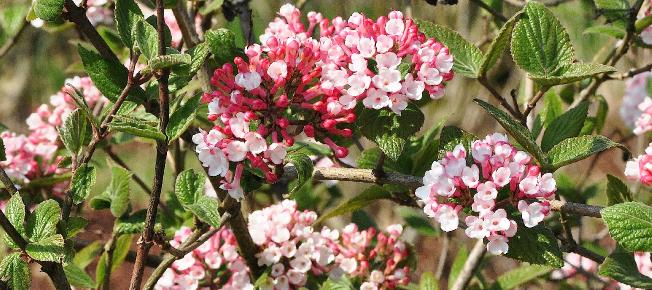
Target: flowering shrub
point(254, 141)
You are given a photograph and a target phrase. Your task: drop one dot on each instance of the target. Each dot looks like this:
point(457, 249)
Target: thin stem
point(503, 102)
point(77, 15)
point(496, 14)
point(533, 103)
point(472, 262)
point(631, 73)
point(442, 255)
point(145, 242)
point(124, 165)
point(109, 248)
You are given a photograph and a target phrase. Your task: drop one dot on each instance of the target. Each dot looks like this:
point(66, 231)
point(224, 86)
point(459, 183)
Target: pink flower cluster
point(34, 155)
point(293, 84)
point(499, 176)
point(636, 109)
point(574, 264)
point(646, 34)
point(294, 251)
point(640, 168)
point(216, 264)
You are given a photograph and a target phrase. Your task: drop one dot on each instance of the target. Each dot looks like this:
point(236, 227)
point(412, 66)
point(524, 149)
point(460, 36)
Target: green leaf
point(15, 211)
point(15, 271)
point(206, 209)
point(458, 264)
point(498, 45)
point(146, 38)
point(337, 284)
point(221, 43)
point(573, 72)
point(516, 130)
point(75, 132)
point(189, 187)
point(519, 276)
point(43, 221)
point(127, 17)
point(621, 266)
point(78, 97)
point(119, 254)
point(363, 199)
point(575, 149)
point(467, 58)
point(389, 130)
point(452, 136)
point(565, 126)
point(630, 224)
point(428, 282)
point(609, 30)
point(418, 222)
point(553, 107)
point(48, 10)
point(75, 225)
point(303, 165)
point(601, 114)
point(540, 44)
point(613, 10)
point(137, 127)
point(535, 245)
point(119, 190)
point(199, 54)
point(617, 191)
point(82, 182)
point(109, 76)
point(87, 255)
point(47, 249)
point(211, 6)
point(78, 277)
point(181, 118)
point(132, 224)
point(168, 60)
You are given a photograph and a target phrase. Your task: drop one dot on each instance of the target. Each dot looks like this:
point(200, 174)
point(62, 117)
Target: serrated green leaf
point(630, 224)
point(168, 60)
point(75, 225)
point(498, 45)
point(467, 58)
point(48, 10)
point(88, 254)
point(617, 191)
point(391, 144)
point(136, 127)
point(572, 72)
point(75, 131)
point(131, 224)
point(567, 125)
point(109, 76)
point(450, 137)
point(575, 149)
point(82, 182)
point(458, 263)
point(78, 277)
point(146, 38)
point(606, 29)
point(363, 199)
point(519, 276)
point(621, 266)
point(221, 43)
point(536, 245)
point(181, 118)
point(613, 10)
point(127, 16)
point(47, 248)
point(303, 164)
point(15, 271)
point(206, 209)
point(15, 211)
point(389, 130)
point(189, 187)
point(43, 221)
point(428, 282)
point(78, 97)
point(516, 130)
point(199, 54)
point(119, 190)
point(552, 107)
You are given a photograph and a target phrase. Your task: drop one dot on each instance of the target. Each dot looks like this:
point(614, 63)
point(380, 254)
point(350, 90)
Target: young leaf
point(371, 194)
point(450, 137)
point(621, 266)
point(108, 76)
point(540, 44)
point(146, 38)
point(78, 277)
point(467, 58)
point(127, 16)
point(498, 45)
point(132, 224)
point(617, 191)
point(189, 187)
point(168, 60)
point(75, 131)
point(575, 149)
point(87, 255)
point(516, 130)
point(518, 276)
point(221, 43)
point(206, 209)
point(48, 10)
point(609, 30)
point(428, 282)
point(181, 118)
point(336, 284)
point(82, 181)
point(613, 10)
point(303, 164)
point(47, 249)
point(630, 224)
point(536, 245)
point(15, 211)
point(601, 114)
point(391, 131)
point(199, 54)
point(43, 221)
point(75, 225)
point(119, 190)
point(565, 126)
point(552, 107)
point(137, 127)
point(15, 271)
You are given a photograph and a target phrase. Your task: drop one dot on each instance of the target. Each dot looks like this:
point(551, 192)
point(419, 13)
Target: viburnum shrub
point(252, 143)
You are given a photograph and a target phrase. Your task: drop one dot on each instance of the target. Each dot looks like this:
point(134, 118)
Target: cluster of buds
point(293, 84)
point(215, 264)
point(498, 177)
point(34, 155)
point(295, 252)
point(640, 168)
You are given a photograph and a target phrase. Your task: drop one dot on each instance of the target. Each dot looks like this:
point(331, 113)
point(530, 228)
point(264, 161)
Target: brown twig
point(503, 102)
point(630, 73)
point(124, 165)
point(533, 103)
point(145, 242)
point(77, 15)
